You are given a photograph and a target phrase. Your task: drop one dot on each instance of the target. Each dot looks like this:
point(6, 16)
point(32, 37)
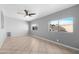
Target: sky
point(68, 20)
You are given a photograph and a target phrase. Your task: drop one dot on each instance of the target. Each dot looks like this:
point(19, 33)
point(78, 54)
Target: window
point(62, 25)
point(53, 26)
point(66, 24)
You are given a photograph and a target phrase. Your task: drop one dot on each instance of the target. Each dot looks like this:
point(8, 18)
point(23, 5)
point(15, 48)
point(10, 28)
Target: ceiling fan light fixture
point(26, 12)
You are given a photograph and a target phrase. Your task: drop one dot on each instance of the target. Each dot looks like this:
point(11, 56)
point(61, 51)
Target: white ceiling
point(41, 10)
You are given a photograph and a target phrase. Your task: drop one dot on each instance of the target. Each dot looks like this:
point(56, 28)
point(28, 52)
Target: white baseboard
point(73, 48)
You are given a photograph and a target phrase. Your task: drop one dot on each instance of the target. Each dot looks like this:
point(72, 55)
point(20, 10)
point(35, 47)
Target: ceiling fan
point(26, 13)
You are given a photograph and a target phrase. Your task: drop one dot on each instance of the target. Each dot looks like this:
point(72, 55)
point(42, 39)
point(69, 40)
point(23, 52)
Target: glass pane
point(53, 25)
point(66, 24)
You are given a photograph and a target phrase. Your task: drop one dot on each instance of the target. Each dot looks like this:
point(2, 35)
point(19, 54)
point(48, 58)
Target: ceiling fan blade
point(26, 12)
point(32, 14)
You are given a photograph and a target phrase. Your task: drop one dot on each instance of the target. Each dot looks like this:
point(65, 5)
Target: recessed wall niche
point(34, 27)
